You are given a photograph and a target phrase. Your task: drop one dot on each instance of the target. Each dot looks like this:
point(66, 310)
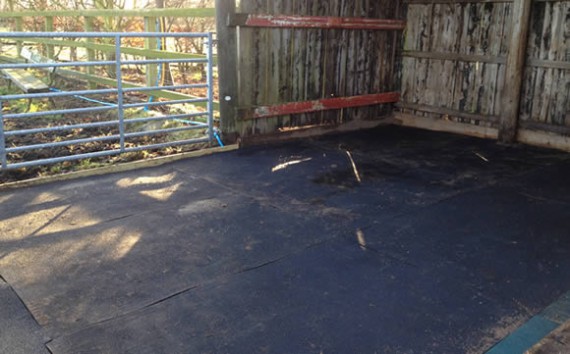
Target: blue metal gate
point(19, 131)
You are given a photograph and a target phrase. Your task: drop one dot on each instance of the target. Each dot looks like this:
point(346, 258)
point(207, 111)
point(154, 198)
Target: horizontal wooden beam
point(318, 105)
point(73, 74)
point(427, 2)
point(544, 139)
point(169, 12)
point(455, 57)
point(305, 132)
point(447, 112)
point(549, 64)
point(318, 22)
point(25, 80)
point(545, 127)
point(109, 48)
point(171, 95)
point(440, 125)
point(537, 63)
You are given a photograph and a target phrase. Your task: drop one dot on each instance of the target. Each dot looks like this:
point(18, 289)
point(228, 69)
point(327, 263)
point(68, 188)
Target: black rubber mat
point(390, 240)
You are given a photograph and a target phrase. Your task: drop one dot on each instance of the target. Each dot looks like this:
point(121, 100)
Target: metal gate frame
point(120, 106)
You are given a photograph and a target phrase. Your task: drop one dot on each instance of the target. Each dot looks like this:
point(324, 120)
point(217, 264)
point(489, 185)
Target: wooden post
point(514, 73)
point(151, 44)
point(19, 28)
point(89, 27)
point(49, 48)
point(227, 69)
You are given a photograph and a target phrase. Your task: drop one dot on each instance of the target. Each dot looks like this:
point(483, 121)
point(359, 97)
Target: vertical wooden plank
point(263, 61)
point(496, 74)
point(285, 56)
point(452, 17)
point(434, 69)
point(247, 66)
point(151, 43)
point(475, 70)
point(506, 16)
point(359, 54)
point(267, 56)
point(227, 70)
point(557, 25)
point(342, 68)
point(49, 49)
point(563, 103)
point(527, 94)
point(300, 65)
point(91, 56)
point(410, 44)
point(457, 47)
point(383, 67)
point(421, 65)
point(330, 62)
point(311, 65)
point(539, 98)
point(515, 71)
point(19, 28)
point(533, 52)
point(351, 59)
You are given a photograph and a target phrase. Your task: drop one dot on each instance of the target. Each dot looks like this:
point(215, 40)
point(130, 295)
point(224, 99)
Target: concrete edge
point(536, 329)
point(547, 343)
point(121, 167)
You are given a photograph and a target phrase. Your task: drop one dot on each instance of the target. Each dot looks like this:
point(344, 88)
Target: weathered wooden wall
point(454, 60)
point(546, 90)
point(292, 65)
point(453, 71)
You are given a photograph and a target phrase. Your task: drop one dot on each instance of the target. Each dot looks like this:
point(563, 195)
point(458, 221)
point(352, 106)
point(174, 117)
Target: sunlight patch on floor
point(145, 180)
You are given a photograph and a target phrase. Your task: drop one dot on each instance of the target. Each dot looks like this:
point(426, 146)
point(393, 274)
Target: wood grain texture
point(227, 70)
point(546, 84)
point(516, 60)
point(280, 65)
point(325, 104)
point(318, 22)
point(454, 57)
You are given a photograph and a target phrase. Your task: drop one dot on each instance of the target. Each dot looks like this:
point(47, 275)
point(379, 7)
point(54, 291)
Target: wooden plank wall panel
point(546, 91)
point(291, 65)
point(455, 28)
point(465, 84)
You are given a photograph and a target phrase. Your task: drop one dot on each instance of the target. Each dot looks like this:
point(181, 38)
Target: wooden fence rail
point(92, 48)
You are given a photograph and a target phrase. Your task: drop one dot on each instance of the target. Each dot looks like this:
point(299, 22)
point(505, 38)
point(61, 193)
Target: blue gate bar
point(105, 153)
point(62, 143)
point(120, 93)
point(172, 102)
point(19, 35)
point(184, 121)
point(3, 156)
point(56, 112)
point(99, 92)
point(108, 124)
point(98, 63)
point(210, 77)
point(60, 128)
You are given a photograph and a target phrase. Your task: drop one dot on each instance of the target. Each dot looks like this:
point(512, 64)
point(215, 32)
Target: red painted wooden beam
point(319, 105)
point(283, 21)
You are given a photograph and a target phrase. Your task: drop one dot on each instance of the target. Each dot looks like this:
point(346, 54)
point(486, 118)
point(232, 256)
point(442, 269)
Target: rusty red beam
point(319, 105)
point(283, 21)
